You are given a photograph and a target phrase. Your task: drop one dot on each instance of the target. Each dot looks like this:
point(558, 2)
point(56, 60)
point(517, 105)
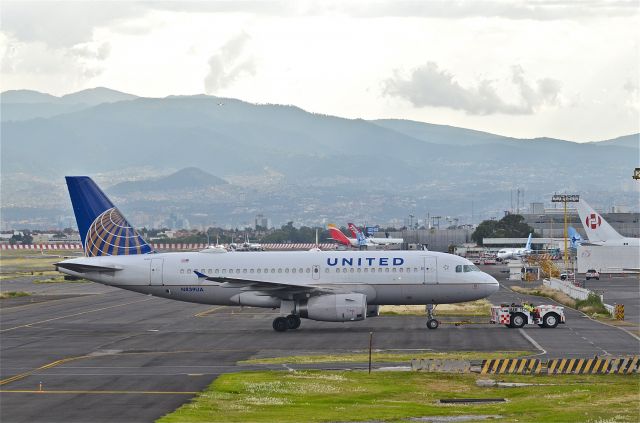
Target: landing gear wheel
point(280, 324)
point(550, 320)
point(432, 324)
point(293, 321)
point(518, 320)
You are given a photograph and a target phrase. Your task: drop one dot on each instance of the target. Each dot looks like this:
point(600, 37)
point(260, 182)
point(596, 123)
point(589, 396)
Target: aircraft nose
point(491, 283)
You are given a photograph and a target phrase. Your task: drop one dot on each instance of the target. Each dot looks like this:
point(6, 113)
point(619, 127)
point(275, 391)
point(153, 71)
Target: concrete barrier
point(441, 366)
point(568, 288)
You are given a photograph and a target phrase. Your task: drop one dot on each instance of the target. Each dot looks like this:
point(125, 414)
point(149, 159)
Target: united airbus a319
point(333, 286)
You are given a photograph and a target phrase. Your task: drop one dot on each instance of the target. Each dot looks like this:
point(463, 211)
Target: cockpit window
point(459, 268)
point(470, 268)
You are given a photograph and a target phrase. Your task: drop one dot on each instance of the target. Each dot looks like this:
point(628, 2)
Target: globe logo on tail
point(111, 235)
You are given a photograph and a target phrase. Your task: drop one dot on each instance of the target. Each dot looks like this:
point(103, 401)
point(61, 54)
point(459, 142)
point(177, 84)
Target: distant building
point(261, 221)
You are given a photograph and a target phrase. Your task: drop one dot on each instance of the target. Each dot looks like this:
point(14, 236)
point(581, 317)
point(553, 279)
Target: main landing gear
point(432, 323)
point(282, 324)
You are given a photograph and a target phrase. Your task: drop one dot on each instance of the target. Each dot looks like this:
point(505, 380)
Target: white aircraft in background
point(357, 233)
point(509, 253)
point(334, 286)
point(599, 231)
point(360, 240)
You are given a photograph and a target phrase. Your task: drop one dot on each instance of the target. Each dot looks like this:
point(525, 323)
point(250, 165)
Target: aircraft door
point(315, 273)
point(155, 272)
point(430, 270)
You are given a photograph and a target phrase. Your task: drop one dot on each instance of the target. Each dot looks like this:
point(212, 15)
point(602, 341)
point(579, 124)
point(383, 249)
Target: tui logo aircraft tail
point(574, 237)
point(103, 229)
point(357, 234)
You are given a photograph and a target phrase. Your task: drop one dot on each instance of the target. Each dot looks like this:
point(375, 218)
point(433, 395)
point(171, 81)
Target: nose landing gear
point(432, 323)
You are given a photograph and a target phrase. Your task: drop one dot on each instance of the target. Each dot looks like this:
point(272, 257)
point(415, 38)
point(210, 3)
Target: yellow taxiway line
point(208, 312)
point(46, 366)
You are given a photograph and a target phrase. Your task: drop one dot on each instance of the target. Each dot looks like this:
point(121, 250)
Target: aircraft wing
point(86, 268)
point(277, 289)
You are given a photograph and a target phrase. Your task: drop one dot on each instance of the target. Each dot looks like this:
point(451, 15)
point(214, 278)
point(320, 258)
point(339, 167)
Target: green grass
point(331, 396)
point(13, 294)
point(383, 356)
point(592, 305)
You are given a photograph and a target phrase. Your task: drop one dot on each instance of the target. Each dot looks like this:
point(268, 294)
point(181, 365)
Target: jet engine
point(334, 307)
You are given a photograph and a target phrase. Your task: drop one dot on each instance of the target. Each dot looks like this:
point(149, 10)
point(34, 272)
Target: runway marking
point(46, 366)
point(207, 312)
point(27, 391)
point(58, 300)
point(533, 342)
point(75, 314)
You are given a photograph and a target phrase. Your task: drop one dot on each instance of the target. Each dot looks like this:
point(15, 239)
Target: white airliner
point(370, 240)
point(359, 239)
point(599, 231)
point(319, 285)
point(509, 253)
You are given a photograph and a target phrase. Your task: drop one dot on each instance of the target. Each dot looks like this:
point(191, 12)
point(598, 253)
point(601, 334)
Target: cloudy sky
point(561, 68)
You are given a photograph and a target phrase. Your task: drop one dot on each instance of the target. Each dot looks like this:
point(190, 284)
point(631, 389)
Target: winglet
point(200, 275)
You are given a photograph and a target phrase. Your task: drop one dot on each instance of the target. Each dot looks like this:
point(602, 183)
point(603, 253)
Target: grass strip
point(386, 356)
point(13, 294)
point(320, 396)
point(59, 279)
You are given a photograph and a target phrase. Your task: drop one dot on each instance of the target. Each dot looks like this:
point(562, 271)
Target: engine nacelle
point(334, 307)
point(373, 310)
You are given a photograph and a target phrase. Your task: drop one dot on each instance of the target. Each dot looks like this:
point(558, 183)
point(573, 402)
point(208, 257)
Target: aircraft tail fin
point(528, 246)
point(353, 229)
point(574, 237)
point(103, 229)
point(337, 235)
point(595, 226)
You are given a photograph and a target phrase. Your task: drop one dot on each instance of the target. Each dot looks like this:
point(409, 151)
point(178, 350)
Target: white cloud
point(428, 85)
point(229, 63)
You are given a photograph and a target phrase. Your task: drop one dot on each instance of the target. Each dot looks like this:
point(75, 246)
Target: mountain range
point(321, 166)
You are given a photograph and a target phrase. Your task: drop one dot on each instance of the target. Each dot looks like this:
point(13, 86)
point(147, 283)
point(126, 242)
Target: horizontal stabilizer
point(85, 268)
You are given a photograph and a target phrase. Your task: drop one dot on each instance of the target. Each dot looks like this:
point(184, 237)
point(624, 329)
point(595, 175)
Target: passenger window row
point(244, 271)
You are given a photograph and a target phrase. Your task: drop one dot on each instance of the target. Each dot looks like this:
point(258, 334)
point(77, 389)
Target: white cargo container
point(608, 259)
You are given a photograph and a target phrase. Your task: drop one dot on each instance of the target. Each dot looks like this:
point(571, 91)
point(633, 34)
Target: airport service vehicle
point(514, 253)
point(517, 315)
point(331, 286)
point(489, 261)
point(592, 274)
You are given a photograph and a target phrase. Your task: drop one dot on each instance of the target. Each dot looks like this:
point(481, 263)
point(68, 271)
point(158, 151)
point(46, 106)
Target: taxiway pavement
point(94, 353)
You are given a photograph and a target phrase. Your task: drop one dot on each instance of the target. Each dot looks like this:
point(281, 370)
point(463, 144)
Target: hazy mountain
point(285, 161)
point(95, 96)
point(26, 96)
point(188, 179)
point(26, 104)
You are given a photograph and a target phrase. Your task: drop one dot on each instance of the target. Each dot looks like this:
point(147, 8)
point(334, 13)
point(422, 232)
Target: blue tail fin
point(528, 246)
point(103, 229)
point(574, 237)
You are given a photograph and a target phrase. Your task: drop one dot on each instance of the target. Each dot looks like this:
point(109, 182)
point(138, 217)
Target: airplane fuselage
point(385, 277)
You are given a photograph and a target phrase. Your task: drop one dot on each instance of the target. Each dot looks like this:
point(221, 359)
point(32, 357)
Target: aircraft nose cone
point(492, 283)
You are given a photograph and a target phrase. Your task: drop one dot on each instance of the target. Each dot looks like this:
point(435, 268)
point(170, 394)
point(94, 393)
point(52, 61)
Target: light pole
point(565, 198)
